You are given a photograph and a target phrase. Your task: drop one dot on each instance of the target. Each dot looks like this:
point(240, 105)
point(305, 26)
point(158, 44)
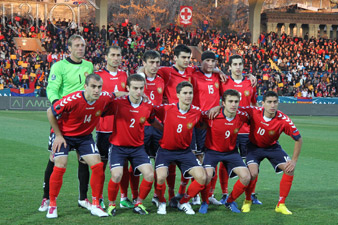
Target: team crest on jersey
point(189, 125)
point(246, 93)
point(217, 85)
point(98, 113)
point(190, 79)
point(159, 90)
point(53, 77)
point(86, 74)
point(271, 132)
point(236, 130)
point(142, 119)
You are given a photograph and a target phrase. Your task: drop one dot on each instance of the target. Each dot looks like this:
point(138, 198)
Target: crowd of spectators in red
point(308, 67)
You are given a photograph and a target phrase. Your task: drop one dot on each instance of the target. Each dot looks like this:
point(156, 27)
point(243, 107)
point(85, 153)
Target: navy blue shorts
point(84, 145)
point(231, 160)
point(184, 159)
point(152, 137)
point(275, 154)
point(103, 144)
point(200, 138)
point(137, 156)
point(242, 143)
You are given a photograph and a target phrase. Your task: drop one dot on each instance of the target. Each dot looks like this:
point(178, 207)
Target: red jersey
point(111, 83)
point(76, 117)
point(222, 133)
point(129, 122)
point(248, 95)
point(178, 127)
point(172, 78)
point(154, 91)
point(206, 90)
point(266, 133)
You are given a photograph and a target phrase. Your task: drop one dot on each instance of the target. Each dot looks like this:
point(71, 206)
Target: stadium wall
point(41, 104)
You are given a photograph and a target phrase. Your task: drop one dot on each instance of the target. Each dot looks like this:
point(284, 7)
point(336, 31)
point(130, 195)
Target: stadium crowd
point(307, 67)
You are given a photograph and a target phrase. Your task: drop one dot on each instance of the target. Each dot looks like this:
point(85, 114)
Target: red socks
point(284, 187)
point(160, 190)
point(205, 193)
point(249, 189)
point(124, 183)
point(183, 185)
point(193, 189)
point(238, 189)
point(96, 182)
point(113, 189)
point(145, 188)
point(171, 180)
point(134, 181)
point(213, 183)
point(223, 178)
point(55, 183)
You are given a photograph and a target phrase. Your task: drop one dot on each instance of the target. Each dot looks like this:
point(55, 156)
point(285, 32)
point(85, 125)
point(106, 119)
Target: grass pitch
point(313, 198)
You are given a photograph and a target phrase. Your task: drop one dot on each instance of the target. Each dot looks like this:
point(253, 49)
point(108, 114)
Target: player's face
point(231, 104)
point(270, 106)
point(78, 49)
point(208, 65)
point(114, 58)
point(183, 60)
point(186, 95)
point(136, 90)
point(151, 66)
point(236, 67)
point(93, 90)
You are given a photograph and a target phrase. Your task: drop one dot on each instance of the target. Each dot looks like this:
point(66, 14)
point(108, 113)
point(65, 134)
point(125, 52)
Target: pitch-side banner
point(186, 15)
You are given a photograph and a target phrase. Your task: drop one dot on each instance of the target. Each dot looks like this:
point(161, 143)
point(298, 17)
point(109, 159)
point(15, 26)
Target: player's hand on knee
point(58, 142)
point(290, 166)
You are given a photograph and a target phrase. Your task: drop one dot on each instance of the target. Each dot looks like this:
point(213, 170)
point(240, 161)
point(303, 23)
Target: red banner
point(186, 15)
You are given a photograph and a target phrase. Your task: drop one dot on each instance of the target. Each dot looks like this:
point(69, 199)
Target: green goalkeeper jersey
point(67, 76)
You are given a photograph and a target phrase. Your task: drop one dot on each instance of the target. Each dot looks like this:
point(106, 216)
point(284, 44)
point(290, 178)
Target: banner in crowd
point(21, 92)
point(186, 15)
point(5, 92)
point(302, 100)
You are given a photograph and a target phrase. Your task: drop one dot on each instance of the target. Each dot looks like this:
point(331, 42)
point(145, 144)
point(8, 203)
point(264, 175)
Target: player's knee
point(200, 178)
point(116, 176)
point(245, 178)
point(149, 176)
point(160, 178)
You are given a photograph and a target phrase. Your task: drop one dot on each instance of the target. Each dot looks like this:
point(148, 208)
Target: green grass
point(313, 198)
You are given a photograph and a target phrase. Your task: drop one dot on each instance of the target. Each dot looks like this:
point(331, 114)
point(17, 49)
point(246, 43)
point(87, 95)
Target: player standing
point(248, 98)
point(67, 76)
point(127, 142)
point(266, 125)
point(179, 120)
point(73, 118)
point(114, 80)
point(221, 147)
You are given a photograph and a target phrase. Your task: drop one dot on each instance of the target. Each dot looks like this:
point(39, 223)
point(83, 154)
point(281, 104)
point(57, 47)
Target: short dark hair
point(73, 37)
point(235, 57)
point(230, 92)
point(135, 77)
point(115, 47)
point(182, 85)
point(150, 54)
point(181, 48)
point(269, 94)
point(92, 76)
